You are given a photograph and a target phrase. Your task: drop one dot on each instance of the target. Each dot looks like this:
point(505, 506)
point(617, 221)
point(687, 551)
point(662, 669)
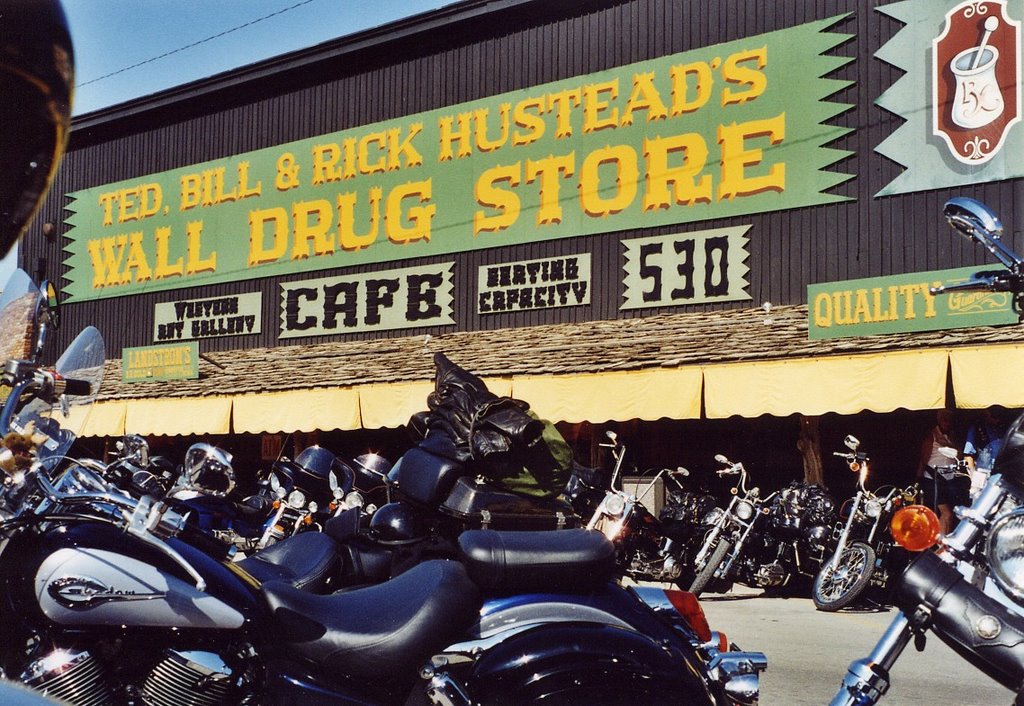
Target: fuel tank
point(85, 586)
point(95, 575)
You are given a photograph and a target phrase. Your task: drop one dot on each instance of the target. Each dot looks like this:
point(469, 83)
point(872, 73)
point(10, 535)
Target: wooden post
point(809, 445)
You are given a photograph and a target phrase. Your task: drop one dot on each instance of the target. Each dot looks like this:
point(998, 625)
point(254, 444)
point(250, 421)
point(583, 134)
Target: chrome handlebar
point(151, 521)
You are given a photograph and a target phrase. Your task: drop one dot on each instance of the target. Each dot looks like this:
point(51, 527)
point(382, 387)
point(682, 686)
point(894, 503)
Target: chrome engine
point(770, 575)
point(74, 677)
point(191, 677)
point(196, 678)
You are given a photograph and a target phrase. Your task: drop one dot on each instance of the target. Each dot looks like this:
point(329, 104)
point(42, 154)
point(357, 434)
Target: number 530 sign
point(686, 268)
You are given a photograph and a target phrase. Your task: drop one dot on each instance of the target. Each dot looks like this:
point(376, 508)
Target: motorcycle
point(307, 492)
point(649, 548)
point(370, 488)
point(728, 531)
point(968, 590)
point(292, 496)
point(475, 465)
point(763, 542)
point(110, 598)
point(201, 485)
point(863, 552)
point(136, 470)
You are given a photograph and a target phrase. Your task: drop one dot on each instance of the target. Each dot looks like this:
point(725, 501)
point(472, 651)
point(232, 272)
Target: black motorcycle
point(762, 542)
point(862, 551)
point(649, 548)
point(479, 462)
point(969, 591)
point(305, 493)
point(110, 598)
point(203, 486)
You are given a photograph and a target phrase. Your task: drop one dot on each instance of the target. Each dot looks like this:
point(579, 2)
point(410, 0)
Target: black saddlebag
point(482, 506)
point(424, 478)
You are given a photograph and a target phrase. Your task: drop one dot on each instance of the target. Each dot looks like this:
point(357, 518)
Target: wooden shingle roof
point(668, 340)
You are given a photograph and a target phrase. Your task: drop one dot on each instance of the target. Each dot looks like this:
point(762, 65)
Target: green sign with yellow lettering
point(901, 304)
point(173, 361)
point(725, 130)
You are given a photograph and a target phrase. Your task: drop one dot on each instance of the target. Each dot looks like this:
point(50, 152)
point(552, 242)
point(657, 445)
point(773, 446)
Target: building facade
point(617, 210)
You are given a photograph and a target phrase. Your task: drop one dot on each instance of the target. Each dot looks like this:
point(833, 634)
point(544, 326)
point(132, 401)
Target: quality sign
point(902, 304)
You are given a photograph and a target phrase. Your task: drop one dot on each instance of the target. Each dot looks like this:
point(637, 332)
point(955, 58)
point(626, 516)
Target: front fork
point(841, 545)
point(737, 550)
point(868, 679)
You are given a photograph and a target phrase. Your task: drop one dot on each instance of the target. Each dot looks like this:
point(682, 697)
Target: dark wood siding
point(503, 50)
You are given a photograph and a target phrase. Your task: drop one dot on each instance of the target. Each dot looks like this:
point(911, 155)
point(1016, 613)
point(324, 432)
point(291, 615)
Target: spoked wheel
point(839, 586)
point(707, 572)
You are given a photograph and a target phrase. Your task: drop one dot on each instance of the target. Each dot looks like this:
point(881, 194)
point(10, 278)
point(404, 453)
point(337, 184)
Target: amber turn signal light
point(915, 527)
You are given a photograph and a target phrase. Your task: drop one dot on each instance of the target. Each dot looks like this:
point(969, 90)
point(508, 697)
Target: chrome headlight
point(744, 510)
point(613, 504)
point(354, 499)
point(296, 499)
point(872, 508)
point(1005, 552)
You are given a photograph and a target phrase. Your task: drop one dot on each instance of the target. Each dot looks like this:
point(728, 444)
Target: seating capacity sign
point(534, 284)
point(710, 133)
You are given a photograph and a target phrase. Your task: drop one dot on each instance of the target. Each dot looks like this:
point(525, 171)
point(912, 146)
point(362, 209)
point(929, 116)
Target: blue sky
point(130, 48)
point(125, 49)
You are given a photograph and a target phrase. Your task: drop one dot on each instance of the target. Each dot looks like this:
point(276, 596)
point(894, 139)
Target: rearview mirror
point(979, 224)
point(852, 442)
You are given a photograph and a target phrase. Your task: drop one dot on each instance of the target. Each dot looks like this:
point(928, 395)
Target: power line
point(195, 44)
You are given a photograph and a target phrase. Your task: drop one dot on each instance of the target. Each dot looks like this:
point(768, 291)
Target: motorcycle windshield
point(54, 430)
point(19, 305)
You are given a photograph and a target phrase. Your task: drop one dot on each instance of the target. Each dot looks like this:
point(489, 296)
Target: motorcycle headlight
point(354, 499)
point(1005, 552)
point(744, 510)
point(613, 505)
point(297, 499)
point(872, 508)
point(313, 507)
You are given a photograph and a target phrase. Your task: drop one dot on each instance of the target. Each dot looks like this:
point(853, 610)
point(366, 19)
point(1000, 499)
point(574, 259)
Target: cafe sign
point(212, 317)
point(375, 301)
point(902, 304)
point(711, 133)
point(174, 361)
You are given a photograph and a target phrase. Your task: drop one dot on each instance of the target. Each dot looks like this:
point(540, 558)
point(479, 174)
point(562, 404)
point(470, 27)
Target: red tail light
point(687, 605)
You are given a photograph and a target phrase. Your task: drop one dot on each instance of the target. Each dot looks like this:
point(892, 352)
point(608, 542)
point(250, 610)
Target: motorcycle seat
point(377, 632)
point(305, 561)
point(565, 561)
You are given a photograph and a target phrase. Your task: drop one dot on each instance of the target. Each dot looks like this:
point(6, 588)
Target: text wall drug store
point(709, 133)
point(623, 112)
